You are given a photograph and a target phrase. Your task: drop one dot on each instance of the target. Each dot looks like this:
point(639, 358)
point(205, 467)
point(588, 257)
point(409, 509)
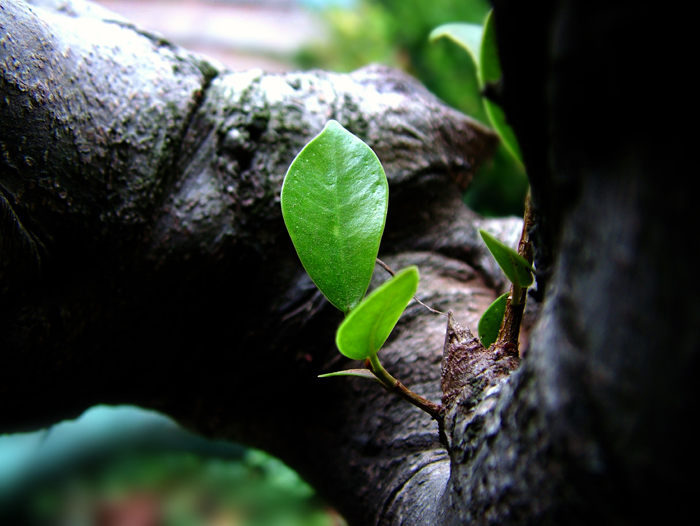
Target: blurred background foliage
point(395, 33)
point(127, 466)
point(180, 489)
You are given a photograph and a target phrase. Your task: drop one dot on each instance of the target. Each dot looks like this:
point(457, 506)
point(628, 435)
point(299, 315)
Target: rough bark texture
point(143, 260)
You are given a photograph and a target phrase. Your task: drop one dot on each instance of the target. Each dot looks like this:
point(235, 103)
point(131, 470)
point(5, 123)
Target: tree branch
point(149, 179)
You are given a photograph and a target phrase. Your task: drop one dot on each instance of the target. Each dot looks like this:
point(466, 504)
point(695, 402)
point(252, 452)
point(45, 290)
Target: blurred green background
point(127, 466)
point(395, 33)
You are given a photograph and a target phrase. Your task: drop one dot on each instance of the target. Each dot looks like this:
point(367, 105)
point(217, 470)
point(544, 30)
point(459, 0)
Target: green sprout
point(521, 275)
point(501, 321)
point(334, 202)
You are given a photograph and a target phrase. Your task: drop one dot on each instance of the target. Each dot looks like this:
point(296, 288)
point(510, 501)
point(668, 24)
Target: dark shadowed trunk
point(144, 260)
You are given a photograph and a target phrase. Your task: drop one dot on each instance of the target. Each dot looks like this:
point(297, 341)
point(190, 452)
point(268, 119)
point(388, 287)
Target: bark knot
point(469, 369)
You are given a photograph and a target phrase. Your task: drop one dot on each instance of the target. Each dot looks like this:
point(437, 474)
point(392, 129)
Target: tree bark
point(144, 261)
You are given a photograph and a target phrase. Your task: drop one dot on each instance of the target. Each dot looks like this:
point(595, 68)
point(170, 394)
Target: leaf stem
point(433, 409)
point(516, 292)
point(392, 385)
point(382, 374)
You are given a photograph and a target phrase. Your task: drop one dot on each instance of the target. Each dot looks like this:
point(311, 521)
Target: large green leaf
point(516, 268)
point(366, 328)
point(489, 71)
point(466, 35)
point(491, 320)
point(334, 202)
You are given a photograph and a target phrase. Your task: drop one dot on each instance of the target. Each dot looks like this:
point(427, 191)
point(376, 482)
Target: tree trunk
point(144, 260)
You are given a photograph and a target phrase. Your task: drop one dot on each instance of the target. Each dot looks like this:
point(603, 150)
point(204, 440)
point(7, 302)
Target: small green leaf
point(490, 72)
point(362, 373)
point(334, 201)
point(515, 267)
point(491, 320)
point(466, 35)
point(366, 328)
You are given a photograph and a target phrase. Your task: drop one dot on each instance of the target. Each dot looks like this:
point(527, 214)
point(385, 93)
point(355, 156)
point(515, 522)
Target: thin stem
point(390, 271)
point(515, 307)
point(434, 410)
point(525, 246)
point(392, 385)
point(515, 293)
point(382, 374)
point(386, 267)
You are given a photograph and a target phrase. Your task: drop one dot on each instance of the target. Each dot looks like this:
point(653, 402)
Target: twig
point(388, 269)
point(510, 328)
point(392, 385)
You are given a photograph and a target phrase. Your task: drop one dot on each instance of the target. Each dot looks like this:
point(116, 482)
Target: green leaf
point(366, 328)
point(334, 201)
point(480, 43)
point(490, 72)
point(362, 373)
point(515, 267)
point(491, 320)
point(466, 35)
